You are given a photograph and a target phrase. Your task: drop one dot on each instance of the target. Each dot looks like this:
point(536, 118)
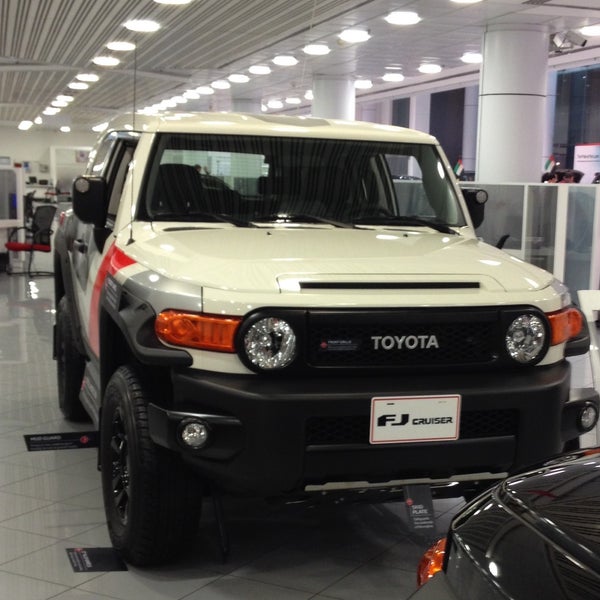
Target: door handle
point(80, 246)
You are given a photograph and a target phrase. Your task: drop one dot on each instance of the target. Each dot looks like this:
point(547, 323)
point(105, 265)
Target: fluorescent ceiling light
point(430, 68)
point(91, 77)
point(275, 104)
point(205, 90)
point(354, 36)
point(590, 31)
point(106, 61)
point(221, 84)
point(401, 17)
point(25, 125)
point(316, 49)
point(259, 69)
point(363, 84)
point(293, 100)
point(238, 78)
point(285, 60)
point(471, 58)
point(120, 46)
point(65, 129)
point(142, 25)
point(393, 77)
point(172, 1)
point(78, 85)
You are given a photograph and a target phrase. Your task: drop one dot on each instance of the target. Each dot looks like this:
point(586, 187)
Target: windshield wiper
point(299, 218)
point(405, 220)
point(198, 217)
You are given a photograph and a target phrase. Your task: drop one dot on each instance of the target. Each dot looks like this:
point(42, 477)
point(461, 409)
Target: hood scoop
point(388, 285)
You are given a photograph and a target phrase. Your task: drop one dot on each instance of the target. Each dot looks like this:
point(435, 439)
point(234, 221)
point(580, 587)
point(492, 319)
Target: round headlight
point(270, 343)
point(526, 338)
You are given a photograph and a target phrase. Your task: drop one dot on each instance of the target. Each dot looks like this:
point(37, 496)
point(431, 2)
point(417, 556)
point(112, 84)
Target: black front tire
point(70, 365)
point(152, 502)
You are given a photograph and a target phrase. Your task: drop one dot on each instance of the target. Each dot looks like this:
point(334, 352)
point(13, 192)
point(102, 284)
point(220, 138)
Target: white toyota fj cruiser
point(278, 306)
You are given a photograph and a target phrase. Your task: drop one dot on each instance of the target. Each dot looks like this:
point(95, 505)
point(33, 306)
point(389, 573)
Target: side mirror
point(89, 200)
point(475, 199)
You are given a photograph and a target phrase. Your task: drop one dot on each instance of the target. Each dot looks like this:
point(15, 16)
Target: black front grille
point(333, 431)
point(403, 339)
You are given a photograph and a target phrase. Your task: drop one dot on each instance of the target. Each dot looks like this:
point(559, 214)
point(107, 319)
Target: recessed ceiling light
point(401, 17)
point(285, 60)
point(259, 69)
point(120, 46)
point(354, 36)
point(179, 99)
point(430, 68)
point(59, 103)
point(590, 31)
point(142, 25)
point(221, 84)
point(471, 58)
point(275, 104)
point(172, 1)
point(25, 125)
point(38, 120)
point(363, 84)
point(64, 98)
point(205, 90)
point(293, 100)
point(106, 61)
point(65, 129)
point(100, 127)
point(238, 78)
point(78, 85)
point(393, 77)
point(465, 1)
point(316, 49)
point(308, 95)
point(191, 95)
point(91, 77)
point(50, 110)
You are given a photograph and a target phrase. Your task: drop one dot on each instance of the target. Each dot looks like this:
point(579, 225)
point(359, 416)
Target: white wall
point(33, 146)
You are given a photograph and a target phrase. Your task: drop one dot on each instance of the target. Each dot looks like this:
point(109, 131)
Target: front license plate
point(403, 419)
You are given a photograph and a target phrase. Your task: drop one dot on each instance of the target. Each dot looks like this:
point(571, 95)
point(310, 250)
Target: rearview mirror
point(475, 199)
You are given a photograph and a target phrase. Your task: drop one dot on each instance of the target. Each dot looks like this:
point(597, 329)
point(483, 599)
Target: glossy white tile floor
point(51, 500)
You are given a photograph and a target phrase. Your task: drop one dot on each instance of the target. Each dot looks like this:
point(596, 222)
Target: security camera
point(575, 38)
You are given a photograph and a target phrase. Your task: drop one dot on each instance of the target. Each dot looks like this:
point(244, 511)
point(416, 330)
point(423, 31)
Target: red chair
point(37, 238)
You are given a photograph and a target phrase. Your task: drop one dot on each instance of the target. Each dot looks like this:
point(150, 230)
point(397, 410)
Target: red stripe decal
point(114, 260)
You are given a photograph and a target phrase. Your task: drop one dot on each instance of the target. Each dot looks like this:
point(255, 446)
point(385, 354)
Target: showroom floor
point(51, 507)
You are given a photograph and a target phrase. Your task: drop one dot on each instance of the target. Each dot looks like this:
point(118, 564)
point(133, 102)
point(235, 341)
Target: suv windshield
point(282, 180)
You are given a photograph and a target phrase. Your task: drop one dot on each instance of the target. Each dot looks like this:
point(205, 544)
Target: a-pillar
point(334, 97)
point(512, 103)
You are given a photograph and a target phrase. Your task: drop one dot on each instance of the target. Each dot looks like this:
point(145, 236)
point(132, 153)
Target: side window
point(100, 155)
point(121, 166)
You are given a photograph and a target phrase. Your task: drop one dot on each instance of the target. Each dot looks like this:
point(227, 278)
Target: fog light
point(588, 417)
point(193, 434)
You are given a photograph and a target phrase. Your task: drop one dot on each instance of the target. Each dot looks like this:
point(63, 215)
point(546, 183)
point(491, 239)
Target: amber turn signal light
point(431, 562)
point(564, 325)
point(195, 330)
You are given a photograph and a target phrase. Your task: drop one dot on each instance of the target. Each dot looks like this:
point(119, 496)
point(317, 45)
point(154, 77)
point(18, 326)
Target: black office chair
point(37, 238)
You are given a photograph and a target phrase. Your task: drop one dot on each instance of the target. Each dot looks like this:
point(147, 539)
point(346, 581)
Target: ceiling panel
point(45, 43)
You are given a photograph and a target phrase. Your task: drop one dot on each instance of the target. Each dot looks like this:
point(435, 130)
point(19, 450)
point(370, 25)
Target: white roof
point(258, 124)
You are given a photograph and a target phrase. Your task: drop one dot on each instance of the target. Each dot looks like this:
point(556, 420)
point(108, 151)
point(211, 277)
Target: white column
point(469, 142)
point(334, 97)
point(512, 103)
point(420, 108)
point(246, 105)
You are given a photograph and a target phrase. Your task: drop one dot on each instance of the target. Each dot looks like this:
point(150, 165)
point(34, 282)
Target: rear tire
point(152, 501)
point(70, 365)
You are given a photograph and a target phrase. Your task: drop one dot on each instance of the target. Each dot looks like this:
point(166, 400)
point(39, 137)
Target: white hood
point(264, 259)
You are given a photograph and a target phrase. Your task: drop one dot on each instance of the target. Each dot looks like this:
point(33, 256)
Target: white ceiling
point(45, 43)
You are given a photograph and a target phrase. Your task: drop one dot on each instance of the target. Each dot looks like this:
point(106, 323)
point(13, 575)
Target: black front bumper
point(278, 436)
